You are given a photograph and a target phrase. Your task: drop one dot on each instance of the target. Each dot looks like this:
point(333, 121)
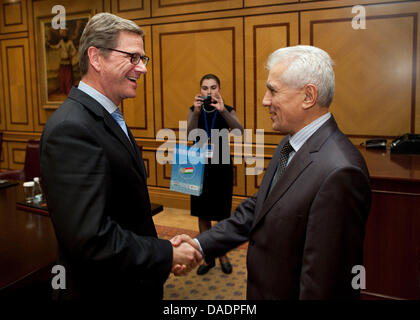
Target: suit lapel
point(301, 160)
point(95, 107)
point(139, 157)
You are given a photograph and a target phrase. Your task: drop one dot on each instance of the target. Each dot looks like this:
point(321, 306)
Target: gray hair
point(306, 64)
point(103, 31)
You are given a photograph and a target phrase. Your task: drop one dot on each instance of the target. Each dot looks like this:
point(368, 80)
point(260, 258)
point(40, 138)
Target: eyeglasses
point(135, 57)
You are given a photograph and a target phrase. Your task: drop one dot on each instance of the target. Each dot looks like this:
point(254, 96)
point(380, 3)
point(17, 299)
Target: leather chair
point(31, 168)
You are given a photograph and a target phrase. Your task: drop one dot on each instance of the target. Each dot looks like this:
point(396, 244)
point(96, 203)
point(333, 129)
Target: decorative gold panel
point(173, 7)
point(131, 9)
point(2, 103)
point(183, 53)
point(164, 175)
point(254, 3)
point(13, 16)
point(16, 153)
point(239, 179)
point(263, 35)
point(377, 68)
point(253, 182)
point(17, 84)
point(150, 164)
point(4, 163)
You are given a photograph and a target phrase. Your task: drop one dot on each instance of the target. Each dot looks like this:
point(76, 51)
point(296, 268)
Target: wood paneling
point(2, 103)
point(239, 179)
point(183, 53)
point(254, 181)
point(263, 35)
point(13, 16)
point(139, 112)
point(150, 164)
point(131, 9)
point(16, 154)
point(174, 7)
point(392, 242)
point(392, 245)
point(17, 84)
point(254, 3)
point(377, 69)
point(4, 163)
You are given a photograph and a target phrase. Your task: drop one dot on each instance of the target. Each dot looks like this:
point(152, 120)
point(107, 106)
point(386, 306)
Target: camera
point(206, 103)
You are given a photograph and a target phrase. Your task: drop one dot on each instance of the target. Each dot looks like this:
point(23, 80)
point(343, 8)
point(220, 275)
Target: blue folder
point(187, 170)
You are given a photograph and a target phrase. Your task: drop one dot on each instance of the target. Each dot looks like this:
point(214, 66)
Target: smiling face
point(285, 104)
point(118, 75)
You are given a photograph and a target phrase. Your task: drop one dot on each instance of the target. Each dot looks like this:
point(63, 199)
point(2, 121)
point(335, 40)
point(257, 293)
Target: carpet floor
point(214, 285)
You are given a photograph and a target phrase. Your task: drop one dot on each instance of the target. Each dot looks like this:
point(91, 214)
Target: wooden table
point(28, 247)
point(392, 242)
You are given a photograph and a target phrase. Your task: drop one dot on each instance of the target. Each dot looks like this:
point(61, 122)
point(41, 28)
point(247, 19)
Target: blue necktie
point(117, 115)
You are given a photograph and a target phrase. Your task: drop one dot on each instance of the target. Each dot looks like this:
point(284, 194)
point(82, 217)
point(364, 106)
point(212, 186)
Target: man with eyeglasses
point(95, 180)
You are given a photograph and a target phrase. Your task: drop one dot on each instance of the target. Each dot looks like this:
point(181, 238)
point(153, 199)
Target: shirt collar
point(300, 137)
point(95, 94)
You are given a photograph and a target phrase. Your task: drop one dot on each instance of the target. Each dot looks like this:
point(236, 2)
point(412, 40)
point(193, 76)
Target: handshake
point(186, 254)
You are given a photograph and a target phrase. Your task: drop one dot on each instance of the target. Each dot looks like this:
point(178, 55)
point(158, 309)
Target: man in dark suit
point(306, 223)
point(94, 176)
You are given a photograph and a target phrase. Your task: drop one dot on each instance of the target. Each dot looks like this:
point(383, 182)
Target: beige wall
point(377, 69)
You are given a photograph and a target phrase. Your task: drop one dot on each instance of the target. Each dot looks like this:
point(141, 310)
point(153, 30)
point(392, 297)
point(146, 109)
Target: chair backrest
point(32, 166)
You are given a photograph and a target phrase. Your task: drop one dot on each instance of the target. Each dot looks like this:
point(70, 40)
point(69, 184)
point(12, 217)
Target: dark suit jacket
point(307, 234)
point(95, 184)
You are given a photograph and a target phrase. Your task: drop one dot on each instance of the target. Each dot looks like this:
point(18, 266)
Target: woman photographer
point(215, 202)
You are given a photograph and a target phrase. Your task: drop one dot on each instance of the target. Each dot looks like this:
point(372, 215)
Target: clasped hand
point(186, 254)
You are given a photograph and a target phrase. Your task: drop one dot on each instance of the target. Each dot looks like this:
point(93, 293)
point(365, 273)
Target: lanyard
point(212, 123)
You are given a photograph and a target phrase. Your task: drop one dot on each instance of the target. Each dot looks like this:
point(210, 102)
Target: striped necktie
point(118, 116)
point(281, 167)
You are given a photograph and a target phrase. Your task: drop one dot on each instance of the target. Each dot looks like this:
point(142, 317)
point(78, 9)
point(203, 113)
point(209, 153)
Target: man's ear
point(94, 58)
point(311, 96)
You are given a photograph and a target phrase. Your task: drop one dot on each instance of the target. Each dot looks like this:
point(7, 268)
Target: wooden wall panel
point(183, 53)
point(174, 7)
point(149, 158)
point(16, 154)
point(253, 3)
point(377, 69)
point(164, 175)
point(13, 16)
point(2, 102)
point(263, 35)
point(131, 9)
point(4, 163)
point(392, 244)
point(139, 112)
point(253, 182)
point(17, 84)
point(239, 179)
